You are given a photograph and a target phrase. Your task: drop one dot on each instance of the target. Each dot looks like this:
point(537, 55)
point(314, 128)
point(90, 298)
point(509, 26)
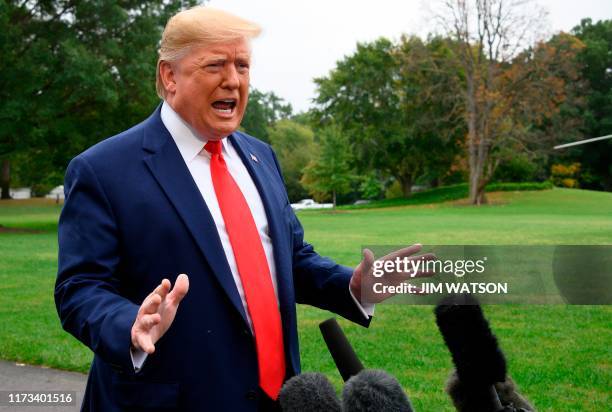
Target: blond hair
point(199, 26)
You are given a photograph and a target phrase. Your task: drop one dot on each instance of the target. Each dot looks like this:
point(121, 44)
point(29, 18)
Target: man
point(184, 192)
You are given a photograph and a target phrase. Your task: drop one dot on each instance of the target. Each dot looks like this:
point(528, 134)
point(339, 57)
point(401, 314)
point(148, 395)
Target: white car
point(310, 204)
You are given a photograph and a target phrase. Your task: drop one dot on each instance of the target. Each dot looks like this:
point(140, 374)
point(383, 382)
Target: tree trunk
point(473, 139)
point(5, 179)
point(477, 188)
point(406, 183)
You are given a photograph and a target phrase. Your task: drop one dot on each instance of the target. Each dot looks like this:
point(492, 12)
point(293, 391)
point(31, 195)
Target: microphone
point(342, 352)
point(365, 390)
point(479, 362)
point(374, 390)
point(309, 392)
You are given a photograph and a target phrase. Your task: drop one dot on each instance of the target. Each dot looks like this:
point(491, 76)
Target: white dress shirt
point(191, 146)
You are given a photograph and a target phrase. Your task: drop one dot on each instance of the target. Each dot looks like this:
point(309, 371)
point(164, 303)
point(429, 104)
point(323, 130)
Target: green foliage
point(74, 73)
point(519, 186)
point(329, 173)
point(294, 147)
point(432, 105)
point(370, 186)
point(262, 112)
point(394, 191)
point(518, 168)
point(397, 105)
point(448, 193)
point(596, 59)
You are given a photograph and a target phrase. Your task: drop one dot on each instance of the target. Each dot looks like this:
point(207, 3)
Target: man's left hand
point(363, 275)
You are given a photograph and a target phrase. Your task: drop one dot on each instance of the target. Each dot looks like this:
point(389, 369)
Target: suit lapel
point(167, 166)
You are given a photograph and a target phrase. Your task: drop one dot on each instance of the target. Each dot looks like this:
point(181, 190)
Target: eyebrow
point(221, 58)
point(210, 59)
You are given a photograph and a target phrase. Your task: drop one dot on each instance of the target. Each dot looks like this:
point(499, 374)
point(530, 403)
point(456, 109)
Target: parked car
point(56, 193)
point(310, 204)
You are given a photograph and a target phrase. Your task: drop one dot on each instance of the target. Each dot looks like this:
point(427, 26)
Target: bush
point(518, 186)
point(370, 187)
point(449, 193)
point(517, 169)
point(564, 175)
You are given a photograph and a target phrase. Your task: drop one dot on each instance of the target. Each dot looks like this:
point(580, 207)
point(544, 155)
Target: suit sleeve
point(318, 280)
point(87, 289)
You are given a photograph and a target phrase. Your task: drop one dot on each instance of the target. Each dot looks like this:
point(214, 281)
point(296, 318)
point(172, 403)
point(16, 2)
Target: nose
point(231, 80)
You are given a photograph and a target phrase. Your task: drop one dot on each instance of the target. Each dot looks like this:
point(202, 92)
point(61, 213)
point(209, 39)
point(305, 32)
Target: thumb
point(180, 289)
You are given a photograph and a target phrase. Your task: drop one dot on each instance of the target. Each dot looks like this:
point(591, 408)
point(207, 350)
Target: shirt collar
point(187, 139)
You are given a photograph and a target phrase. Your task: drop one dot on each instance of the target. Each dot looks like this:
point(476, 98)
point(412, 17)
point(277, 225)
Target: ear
point(167, 73)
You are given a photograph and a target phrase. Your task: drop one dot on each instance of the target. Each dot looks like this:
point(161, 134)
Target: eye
point(213, 66)
point(243, 67)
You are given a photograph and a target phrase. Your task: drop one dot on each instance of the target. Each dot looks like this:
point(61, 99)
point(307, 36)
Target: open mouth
point(225, 106)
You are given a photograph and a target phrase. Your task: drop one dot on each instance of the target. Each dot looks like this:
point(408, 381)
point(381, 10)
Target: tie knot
point(213, 147)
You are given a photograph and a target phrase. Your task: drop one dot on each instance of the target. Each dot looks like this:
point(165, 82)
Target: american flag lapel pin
point(253, 157)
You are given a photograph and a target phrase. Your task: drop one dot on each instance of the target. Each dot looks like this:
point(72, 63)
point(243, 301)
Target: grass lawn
point(559, 355)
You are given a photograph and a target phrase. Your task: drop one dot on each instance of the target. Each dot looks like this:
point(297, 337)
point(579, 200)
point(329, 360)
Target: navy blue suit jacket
point(134, 215)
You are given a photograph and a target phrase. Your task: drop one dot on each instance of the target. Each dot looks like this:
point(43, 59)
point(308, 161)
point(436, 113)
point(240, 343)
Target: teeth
point(224, 110)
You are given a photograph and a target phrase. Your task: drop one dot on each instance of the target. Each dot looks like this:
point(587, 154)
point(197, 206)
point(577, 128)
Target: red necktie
point(254, 273)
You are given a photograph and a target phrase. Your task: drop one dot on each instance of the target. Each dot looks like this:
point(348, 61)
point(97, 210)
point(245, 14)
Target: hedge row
point(449, 193)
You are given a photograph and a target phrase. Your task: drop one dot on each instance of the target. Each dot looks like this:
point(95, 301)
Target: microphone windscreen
point(340, 349)
point(374, 390)
point(474, 349)
point(309, 392)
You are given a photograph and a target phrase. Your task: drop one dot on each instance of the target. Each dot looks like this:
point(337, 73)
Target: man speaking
point(185, 193)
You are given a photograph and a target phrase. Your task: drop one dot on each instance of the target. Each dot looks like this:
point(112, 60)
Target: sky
point(302, 40)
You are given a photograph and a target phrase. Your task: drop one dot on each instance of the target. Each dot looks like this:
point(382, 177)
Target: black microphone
point(309, 392)
point(478, 360)
point(374, 390)
point(340, 349)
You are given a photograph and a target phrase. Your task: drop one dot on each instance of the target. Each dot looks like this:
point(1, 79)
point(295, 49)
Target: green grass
point(558, 355)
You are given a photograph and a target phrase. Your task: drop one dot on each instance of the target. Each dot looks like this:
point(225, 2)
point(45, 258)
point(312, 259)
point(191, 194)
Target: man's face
point(209, 87)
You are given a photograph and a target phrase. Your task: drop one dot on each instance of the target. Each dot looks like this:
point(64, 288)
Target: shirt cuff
point(138, 358)
point(366, 309)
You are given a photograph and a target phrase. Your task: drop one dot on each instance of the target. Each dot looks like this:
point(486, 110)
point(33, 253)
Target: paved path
point(19, 377)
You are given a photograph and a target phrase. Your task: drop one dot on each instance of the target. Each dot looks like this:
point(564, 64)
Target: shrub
point(565, 175)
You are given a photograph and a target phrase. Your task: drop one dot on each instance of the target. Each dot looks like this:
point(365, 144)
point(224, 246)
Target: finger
point(148, 321)
point(423, 274)
point(366, 263)
point(145, 343)
point(407, 251)
point(151, 304)
point(163, 288)
point(421, 263)
point(425, 256)
point(181, 287)
point(159, 290)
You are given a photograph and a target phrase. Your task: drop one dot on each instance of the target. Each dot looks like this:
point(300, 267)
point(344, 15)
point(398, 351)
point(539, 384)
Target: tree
point(507, 91)
point(294, 146)
point(544, 100)
point(330, 172)
point(361, 96)
point(263, 111)
point(596, 63)
point(432, 109)
point(396, 104)
point(74, 72)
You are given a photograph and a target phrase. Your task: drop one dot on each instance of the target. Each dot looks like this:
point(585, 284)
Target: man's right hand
point(157, 313)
